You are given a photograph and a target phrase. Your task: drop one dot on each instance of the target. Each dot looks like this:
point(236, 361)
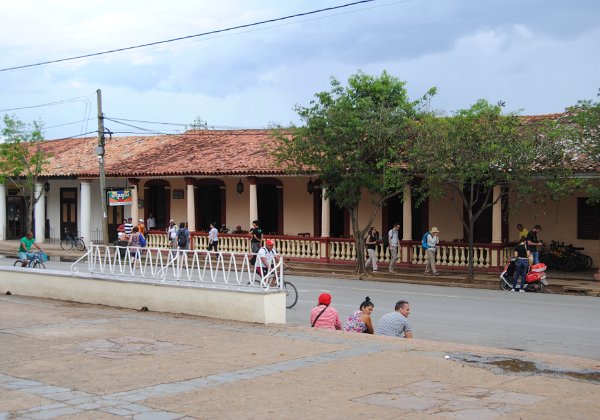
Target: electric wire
point(217, 31)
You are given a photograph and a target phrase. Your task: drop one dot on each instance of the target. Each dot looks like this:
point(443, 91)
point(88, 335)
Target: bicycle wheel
point(39, 264)
point(18, 263)
point(80, 244)
point(291, 294)
point(66, 244)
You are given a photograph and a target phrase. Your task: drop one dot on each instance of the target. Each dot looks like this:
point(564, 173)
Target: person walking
point(521, 266)
point(393, 241)
point(371, 244)
point(360, 321)
point(213, 237)
point(183, 237)
point(172, 234)
point(256, 236)
point(430, 242)
point(395, 324)
point(324, 315)
point(533, 243)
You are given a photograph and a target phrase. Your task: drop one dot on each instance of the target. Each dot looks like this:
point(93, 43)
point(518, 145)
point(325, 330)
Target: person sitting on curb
point(396, 323)
point(360, 321)
point(324, 315)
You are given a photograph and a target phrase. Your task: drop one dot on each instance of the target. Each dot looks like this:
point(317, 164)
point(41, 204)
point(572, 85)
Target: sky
point(536, 56)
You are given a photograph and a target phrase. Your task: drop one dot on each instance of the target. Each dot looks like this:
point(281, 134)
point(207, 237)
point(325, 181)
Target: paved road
point(558, 324)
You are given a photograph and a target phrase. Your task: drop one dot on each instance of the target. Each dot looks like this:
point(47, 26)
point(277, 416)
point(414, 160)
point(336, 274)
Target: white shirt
point(213, 235)
point(172, 230)
point(268, 255)
point(151, 223)
point(393, 237)
point(432, 241)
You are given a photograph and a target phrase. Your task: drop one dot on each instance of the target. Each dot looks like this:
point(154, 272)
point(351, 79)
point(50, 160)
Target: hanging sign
point(119, 198)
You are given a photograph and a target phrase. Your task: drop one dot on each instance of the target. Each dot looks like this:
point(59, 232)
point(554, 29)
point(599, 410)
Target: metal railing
point(181, 266)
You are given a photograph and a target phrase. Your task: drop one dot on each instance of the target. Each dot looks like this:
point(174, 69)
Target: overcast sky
point(538, 56)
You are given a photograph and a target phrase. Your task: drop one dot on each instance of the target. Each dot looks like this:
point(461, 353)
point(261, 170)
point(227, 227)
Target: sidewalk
point(560, 282)
point(68, 360)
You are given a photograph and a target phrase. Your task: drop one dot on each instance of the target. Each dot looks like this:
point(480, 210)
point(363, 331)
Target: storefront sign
point(119, 198)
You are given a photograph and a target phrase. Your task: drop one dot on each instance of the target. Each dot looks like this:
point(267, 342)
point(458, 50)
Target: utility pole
point(100, 153)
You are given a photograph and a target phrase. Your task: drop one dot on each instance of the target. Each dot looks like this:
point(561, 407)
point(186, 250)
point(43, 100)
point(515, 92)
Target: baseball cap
point(141, 220)
point(269, 242)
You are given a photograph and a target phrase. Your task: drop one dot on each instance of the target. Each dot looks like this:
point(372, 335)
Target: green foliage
point(22, 159)
point(351, 138)
point(479, 148)
point(581, 124)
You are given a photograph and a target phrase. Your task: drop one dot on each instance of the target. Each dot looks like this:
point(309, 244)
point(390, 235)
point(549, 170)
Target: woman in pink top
point(324, 315)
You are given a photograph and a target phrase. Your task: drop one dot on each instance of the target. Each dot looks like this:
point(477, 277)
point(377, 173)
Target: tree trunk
point(359, 244)
point(470, 276)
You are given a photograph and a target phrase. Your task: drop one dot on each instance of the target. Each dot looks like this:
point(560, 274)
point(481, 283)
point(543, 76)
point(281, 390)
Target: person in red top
point(324, 315)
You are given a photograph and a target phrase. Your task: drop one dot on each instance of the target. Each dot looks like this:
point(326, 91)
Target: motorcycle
point(535, 280)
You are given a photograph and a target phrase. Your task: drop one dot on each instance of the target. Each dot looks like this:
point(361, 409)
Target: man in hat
point(172, 233)
point(431, 242)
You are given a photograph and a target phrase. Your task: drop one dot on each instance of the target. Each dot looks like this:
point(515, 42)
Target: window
point(588, 219)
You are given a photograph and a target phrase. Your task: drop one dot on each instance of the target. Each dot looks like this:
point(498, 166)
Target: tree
point(582, 122)
point(479, 148)
point(22, 161)
point(350, 138)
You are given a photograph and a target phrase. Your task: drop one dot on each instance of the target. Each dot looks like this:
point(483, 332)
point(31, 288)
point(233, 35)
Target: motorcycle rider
point(522, 264)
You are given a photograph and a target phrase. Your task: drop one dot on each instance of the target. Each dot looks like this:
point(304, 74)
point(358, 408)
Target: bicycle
point(35, 262)
point(71, 241)
point(291, 292)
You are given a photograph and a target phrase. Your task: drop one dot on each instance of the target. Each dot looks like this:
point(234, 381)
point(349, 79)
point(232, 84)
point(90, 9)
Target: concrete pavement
point(76, 361)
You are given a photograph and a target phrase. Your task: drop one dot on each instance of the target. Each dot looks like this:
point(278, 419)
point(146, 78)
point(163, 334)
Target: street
point(548, 323)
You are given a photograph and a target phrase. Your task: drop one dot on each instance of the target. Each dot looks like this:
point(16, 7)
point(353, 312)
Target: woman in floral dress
point(360, 321)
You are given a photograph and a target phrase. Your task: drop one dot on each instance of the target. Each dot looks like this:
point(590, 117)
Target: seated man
point(25, 253)
point(396, 323)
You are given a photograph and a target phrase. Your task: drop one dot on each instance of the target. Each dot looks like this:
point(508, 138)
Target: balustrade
point(450, 254)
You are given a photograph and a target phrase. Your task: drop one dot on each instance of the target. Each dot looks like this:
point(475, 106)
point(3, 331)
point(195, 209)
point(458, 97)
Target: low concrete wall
point(239, 305)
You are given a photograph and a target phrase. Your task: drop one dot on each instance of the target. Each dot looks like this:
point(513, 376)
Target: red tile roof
point(201, 152)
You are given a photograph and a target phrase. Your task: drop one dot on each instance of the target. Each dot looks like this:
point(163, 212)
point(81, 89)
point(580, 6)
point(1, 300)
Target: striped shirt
point(393, 324)
point(330, 319)
point(128, 227)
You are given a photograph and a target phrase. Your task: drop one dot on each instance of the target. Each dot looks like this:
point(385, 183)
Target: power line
point(61, 102)
point(188, 36)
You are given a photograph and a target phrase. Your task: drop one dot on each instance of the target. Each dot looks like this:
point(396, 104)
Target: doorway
point(15, 217)
point(269, 193)
point(68, 211)
point(209, 200)
point(157, 200)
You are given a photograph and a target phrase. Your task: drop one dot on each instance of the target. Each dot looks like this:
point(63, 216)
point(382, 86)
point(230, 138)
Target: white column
point(497, 216)
point(325, 215)
point(407, 214)
point(85, 205)
point(39, 213)
point(2, 212)
point(191, 208)
point(134, 204)
point(253, 203)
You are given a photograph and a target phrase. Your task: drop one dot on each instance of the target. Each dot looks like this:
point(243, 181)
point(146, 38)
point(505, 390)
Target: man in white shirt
point(151, 223)
point(393, 241)
point(213, 237)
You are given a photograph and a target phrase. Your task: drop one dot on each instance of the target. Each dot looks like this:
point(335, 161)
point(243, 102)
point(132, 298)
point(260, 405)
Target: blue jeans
point(520, 271)
point(536, 256)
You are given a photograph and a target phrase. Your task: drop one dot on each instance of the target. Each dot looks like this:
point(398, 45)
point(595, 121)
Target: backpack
point(142, 241)
point(181, 237)
point(424, 240)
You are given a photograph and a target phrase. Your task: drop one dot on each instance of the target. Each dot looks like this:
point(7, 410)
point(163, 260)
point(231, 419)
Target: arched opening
point(339, 219)
point(157, 200)
point(269, 193)
point(209, 200)
point(392, 212)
